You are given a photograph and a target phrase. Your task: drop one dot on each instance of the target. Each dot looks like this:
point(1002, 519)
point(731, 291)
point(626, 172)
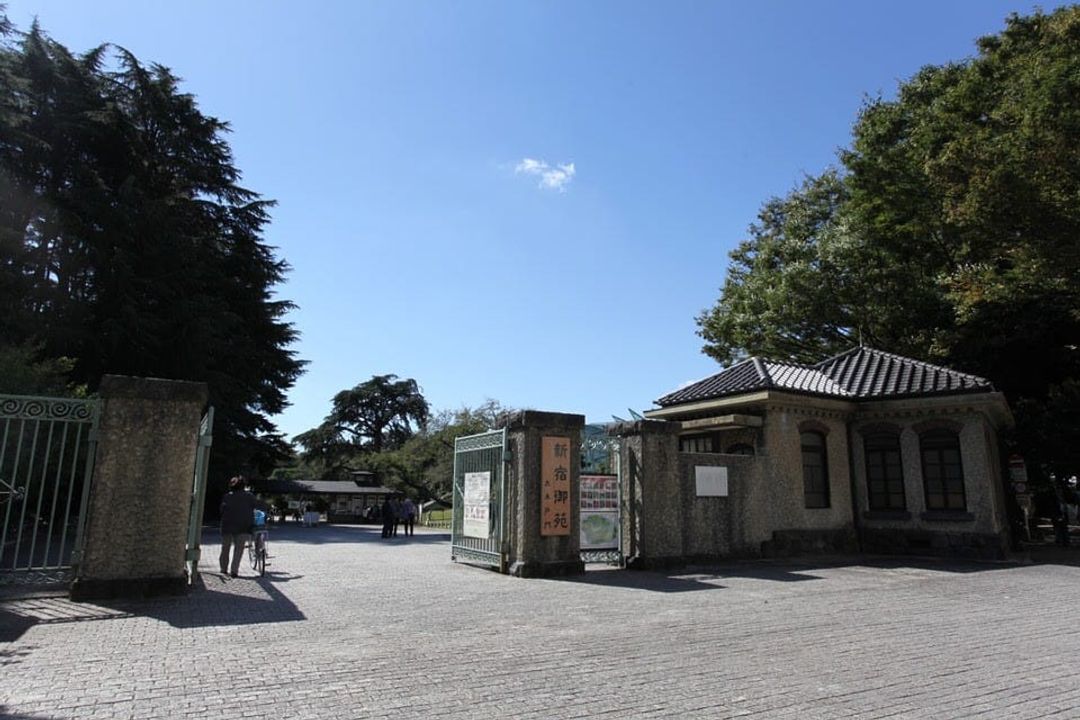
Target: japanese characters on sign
point(555, 486)
point(477, 505)
point(599, 510)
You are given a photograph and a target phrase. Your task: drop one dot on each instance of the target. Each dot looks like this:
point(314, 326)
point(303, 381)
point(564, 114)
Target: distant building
point(896, 454)
point(347, 500)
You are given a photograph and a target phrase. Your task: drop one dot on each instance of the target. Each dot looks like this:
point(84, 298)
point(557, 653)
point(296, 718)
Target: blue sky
point(525, 201)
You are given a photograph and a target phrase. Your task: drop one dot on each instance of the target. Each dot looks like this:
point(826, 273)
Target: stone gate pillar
point(652, 522)
point(136, 521)
point(544, 532)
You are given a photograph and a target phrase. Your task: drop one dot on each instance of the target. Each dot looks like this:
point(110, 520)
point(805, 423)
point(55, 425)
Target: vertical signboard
point(476, 521)
point(599, 509)
point(555, 486)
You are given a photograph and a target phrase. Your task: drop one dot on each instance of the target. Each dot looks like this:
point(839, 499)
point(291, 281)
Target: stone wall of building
point(981, 529)
point(716, 526)
point(784, 506)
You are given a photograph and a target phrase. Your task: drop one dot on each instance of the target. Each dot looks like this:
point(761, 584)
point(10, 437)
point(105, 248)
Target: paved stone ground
point(346, 625)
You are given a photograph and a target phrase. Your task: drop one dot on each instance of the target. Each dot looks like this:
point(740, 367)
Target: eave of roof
point(857, 374)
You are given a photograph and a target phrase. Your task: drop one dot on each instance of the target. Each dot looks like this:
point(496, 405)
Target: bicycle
point(257, 550)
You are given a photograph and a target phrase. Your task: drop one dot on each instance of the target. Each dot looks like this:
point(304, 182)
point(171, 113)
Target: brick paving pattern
point(347, 625)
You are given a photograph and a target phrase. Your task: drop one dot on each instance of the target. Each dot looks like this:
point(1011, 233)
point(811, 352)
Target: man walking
point(237, 513)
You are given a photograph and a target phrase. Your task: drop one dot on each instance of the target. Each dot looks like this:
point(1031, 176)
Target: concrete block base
point(546, 569)
point(84, 589)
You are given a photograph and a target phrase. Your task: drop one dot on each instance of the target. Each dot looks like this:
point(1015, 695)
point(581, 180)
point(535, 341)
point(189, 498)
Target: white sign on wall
point(476, 505)
point(711, 481)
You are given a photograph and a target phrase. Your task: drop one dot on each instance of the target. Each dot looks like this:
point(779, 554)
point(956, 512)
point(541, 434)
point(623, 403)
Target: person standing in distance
point(237, 513)
point(408, 515)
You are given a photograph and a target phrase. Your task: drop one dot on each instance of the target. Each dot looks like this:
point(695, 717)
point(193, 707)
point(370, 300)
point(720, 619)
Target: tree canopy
point(127, 244)
point(950, 232)
point(386, 426)
point(379, 414)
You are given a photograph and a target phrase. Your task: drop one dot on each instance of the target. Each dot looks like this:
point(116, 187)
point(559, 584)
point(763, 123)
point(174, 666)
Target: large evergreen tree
point(127, 243)
point(950, 233)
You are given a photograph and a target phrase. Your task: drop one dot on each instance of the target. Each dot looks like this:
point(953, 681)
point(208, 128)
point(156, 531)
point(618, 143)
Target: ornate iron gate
point(600, 498)
point(479, 518)
point(47, 448)
point(198, 495)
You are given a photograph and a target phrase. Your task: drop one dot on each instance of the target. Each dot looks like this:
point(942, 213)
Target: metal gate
point(600, 498)
point(198, 495)
point(479, 518)
point(47, 448)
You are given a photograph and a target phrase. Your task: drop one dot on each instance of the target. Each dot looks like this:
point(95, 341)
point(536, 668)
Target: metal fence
point(479, 520)
point(47, 448)
point(198, 496)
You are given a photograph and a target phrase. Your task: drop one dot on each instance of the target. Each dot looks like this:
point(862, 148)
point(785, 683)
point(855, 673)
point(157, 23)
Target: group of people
point(397, 512)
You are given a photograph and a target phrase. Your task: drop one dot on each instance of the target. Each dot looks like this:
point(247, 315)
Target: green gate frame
point(198, 496)
point(613, 446)
point(480, 453)
point(43, 437)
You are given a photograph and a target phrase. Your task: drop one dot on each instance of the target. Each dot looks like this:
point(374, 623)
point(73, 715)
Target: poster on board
point(476, 505)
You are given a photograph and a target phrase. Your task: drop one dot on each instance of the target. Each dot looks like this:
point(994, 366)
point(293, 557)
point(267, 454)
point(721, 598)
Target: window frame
point(815, 498)
point(695, 439)
point(878, 446)
point(933, 446)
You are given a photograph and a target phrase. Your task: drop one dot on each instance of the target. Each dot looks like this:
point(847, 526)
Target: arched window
point(740, 449)
point(943, 473)
point(815, 470)
point(884, 472)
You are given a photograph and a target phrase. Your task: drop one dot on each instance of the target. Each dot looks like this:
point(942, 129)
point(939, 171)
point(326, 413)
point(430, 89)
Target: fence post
point(653, 522)
point(137, 518)
point(531, 552)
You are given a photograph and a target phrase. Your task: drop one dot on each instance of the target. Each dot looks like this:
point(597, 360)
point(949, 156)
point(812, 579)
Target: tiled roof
point(869, 373)
point(860, 373)
point(289, 487)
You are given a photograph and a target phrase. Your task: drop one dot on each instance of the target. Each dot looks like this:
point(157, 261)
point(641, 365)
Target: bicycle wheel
point(262, 559)
point(253, 553)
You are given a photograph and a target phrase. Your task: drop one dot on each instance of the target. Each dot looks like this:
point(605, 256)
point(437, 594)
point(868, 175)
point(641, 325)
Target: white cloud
point(552, 177)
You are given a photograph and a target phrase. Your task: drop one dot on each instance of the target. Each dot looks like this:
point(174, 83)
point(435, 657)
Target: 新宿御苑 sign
point(555, 486)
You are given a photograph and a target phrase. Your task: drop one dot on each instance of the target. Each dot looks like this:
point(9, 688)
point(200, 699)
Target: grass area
point(438, 518)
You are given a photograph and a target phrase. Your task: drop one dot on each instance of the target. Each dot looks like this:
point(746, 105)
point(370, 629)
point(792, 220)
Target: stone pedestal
point(532, 554)
point(136, 522)
point(652, 515)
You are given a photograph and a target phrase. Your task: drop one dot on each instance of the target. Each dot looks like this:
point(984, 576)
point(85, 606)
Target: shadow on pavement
point(214, 601)
point(12, 627)
point(9, 715)
point(218, 600)
point(687, 579)
point(1048, 554)
point(695, 576)
point(328, 534)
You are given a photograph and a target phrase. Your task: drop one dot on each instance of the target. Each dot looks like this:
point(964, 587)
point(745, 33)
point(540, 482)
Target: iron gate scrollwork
point(478, 527)
point(600, 498)
point(47, 448)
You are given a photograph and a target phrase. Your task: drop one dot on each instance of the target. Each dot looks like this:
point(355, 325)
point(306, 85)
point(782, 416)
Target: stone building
point(863, 450)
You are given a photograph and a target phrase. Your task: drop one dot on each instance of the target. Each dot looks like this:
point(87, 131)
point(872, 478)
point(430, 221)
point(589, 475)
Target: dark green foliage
point(377, 415)
point(127, 244)
point(951, 234)
point(24, 371)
